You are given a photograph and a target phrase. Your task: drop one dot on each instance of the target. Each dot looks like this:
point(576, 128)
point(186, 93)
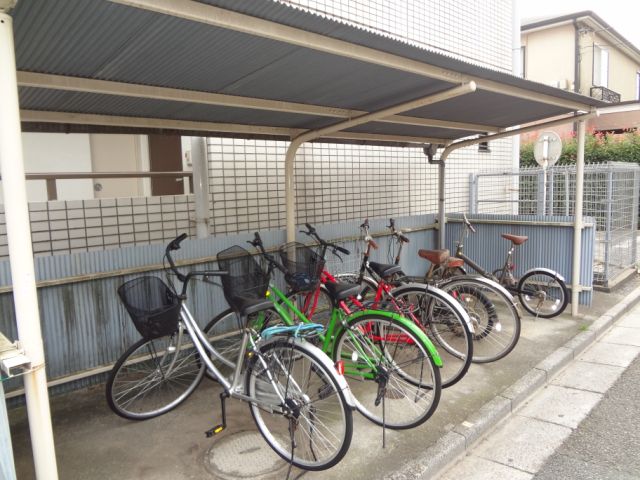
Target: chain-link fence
point(610, 196)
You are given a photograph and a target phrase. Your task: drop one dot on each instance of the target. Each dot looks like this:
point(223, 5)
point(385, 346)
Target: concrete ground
point(94, 443)
point(591, 425)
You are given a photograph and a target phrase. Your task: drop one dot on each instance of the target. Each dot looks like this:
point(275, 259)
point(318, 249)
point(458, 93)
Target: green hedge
point(599, 148)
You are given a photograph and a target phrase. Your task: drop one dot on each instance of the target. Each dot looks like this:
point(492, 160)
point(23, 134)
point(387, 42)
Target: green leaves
point(599, 148)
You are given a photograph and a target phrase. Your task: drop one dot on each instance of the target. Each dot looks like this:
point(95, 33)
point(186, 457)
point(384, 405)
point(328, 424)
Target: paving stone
point(593, 377)
point(623, 336)
point(605, 353)
point(561, 405)
point(476, 468)
point(524, 443)
point(631, 321)
point(556, 361)
point(523, 388)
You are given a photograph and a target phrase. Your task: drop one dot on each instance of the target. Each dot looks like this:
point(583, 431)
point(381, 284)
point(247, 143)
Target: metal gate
point(610, 196)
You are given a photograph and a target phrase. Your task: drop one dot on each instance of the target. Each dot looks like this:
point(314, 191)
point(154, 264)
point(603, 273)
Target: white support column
point(21, 259)
point(200, 164)
point(290, 188)
point(442, 218)
point(577, 223)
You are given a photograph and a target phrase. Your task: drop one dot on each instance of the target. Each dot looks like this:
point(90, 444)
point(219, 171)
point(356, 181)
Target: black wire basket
point(152, 305)
point(303, 264)
point(246, 279)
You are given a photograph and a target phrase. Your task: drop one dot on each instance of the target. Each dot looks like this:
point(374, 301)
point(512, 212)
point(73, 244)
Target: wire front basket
point(245, 281)
point(303, 266)
point(152, 305)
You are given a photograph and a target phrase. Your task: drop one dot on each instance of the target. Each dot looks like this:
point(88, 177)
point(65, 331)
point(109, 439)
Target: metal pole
point(607, 228)
point(473, 193)
point(577, 223)
point(200, 164)
point(441, 205)
point(290, 188)
point(21, 259)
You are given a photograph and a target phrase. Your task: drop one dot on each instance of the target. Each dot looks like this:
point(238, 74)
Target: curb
point(462, 437)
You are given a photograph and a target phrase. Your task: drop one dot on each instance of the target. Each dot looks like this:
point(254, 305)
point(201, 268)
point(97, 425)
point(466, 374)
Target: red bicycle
point(434, 311)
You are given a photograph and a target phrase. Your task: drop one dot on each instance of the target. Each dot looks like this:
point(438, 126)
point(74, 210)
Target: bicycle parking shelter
point(240, 69)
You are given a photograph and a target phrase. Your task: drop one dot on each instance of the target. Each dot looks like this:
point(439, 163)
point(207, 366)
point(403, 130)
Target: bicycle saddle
point(516, 239)
point(385, 270)
point(342, 291)
point(434, 256)
point(245, 306)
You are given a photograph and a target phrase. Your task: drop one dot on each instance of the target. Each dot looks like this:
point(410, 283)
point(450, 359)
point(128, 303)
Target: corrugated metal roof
point(101, 40)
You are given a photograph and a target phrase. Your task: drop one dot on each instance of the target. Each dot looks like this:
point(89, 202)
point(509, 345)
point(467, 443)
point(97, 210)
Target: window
point(523, 61)
point(600, 66)
point(637, 85)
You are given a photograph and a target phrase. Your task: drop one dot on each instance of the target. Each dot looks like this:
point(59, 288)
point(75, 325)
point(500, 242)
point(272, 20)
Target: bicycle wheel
point(154, 376)
point(392, 377)
point(494, 316)
point(543, 294)
point(299, 407)
point(445, 324)
point(316, 306)
point(225, 334)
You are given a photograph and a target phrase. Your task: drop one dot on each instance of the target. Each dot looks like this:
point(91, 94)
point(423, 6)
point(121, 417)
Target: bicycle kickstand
point(219, 428)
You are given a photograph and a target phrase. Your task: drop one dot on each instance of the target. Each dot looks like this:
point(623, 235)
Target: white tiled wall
point(477, 31)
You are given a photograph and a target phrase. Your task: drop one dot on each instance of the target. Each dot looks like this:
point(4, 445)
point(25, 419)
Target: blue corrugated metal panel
point(548, 246)
point(85, 326)
point(7, 468)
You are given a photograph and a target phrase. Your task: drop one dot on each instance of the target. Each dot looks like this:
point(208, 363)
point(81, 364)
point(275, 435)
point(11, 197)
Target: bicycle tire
point(537, 287)
point(224, 333)
point(324, 305)
point(444, 323)
point(154, 376)
point(494, 316)
point(320, 410)
point(403, 388)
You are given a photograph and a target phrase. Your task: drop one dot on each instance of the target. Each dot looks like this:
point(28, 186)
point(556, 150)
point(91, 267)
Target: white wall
point(56, 152)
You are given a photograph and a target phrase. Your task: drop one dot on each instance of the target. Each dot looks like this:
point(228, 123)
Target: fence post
point(473, 193)
point(607, 228)
point(634, 213)
point(550, 184)
point(567, 193)
point(540, 192)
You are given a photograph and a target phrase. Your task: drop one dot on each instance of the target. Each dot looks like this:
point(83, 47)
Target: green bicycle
point(391, 366)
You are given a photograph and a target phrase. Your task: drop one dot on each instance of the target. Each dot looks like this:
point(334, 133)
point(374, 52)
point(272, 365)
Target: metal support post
point(542, 191)
point(473, 193)
point(550, 193)
point(200, 185)
point(577, 223)
point(607, 228)
point(634, 216)
point(290, 188)
point(442, 218)
point(21, 259)
point(7, 467)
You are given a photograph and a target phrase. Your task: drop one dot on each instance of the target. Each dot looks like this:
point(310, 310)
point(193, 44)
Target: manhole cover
point(244, 455)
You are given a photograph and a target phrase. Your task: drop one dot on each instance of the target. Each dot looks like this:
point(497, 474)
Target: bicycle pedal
point(215, 430)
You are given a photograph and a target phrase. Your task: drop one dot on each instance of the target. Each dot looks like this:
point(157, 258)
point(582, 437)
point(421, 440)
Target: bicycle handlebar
point(314, 234)
point(175, 245)
point(467, 223)
point(397, 233)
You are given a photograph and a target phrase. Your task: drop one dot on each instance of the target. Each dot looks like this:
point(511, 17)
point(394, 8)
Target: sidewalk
point(94, 443)
point(591, 425)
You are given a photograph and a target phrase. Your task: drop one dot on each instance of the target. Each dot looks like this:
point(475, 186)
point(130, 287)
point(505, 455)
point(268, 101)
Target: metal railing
point(604, 94)
point(51, 178)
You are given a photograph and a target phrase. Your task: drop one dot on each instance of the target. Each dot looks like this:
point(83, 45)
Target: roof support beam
point(289, 183)
point(105, 87)
point(219, 17)
point(206, 127)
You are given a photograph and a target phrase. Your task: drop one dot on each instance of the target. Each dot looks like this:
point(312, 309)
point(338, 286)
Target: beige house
point(583, 53)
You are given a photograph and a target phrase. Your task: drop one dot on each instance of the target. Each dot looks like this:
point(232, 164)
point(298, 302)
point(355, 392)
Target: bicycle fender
point(485, 281)
point(408, 324)
point(546, 270)
point(442, 296)
point(326, 361)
